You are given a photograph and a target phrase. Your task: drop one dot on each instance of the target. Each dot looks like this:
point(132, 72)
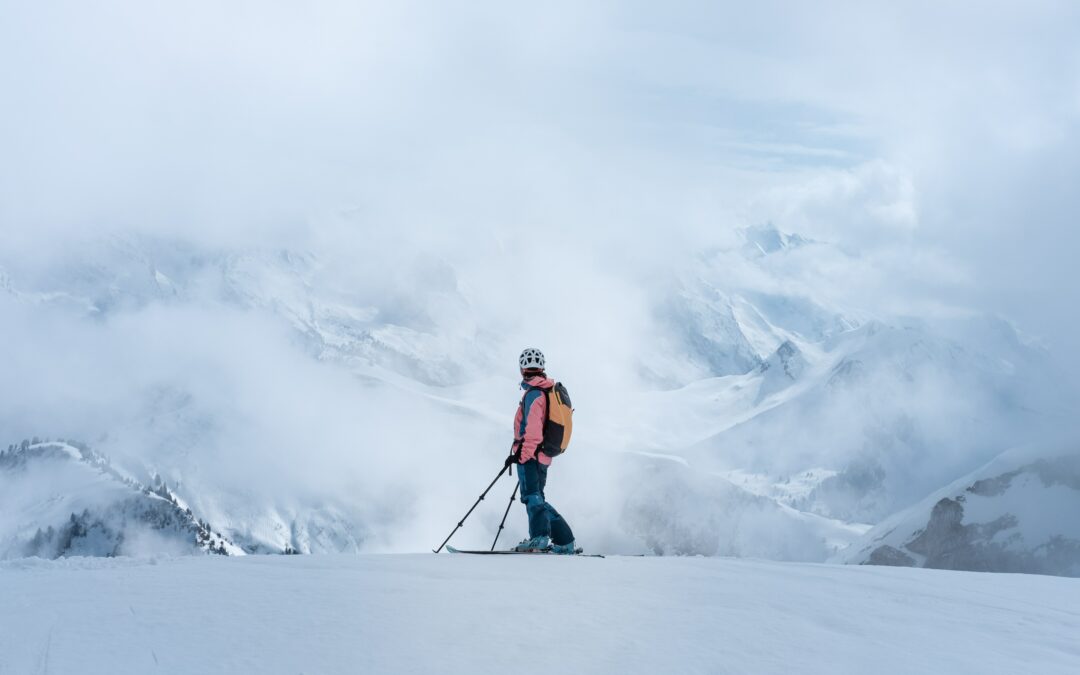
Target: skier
point(548, 531)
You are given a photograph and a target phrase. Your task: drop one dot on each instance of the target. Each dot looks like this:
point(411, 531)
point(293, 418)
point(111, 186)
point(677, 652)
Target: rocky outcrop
point(782, 369)
point(1016, 520)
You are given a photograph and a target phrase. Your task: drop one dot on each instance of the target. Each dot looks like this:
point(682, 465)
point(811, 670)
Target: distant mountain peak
point(765, 239)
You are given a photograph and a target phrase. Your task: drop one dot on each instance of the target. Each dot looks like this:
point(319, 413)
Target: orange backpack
point(558, 420)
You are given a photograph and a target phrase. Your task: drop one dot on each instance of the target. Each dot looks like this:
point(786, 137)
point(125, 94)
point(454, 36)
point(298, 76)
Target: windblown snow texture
point(426, 613)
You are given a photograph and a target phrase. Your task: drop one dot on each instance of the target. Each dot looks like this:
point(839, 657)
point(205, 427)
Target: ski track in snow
point(43, 662)
point(478, 614)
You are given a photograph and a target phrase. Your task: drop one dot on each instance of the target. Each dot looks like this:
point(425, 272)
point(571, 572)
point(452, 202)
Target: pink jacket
point(529, 420)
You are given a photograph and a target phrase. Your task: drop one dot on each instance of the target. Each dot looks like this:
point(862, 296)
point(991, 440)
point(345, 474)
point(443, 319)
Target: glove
point(511, 459)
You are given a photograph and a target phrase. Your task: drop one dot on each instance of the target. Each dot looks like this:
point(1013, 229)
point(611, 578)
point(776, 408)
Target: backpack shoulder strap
point(547, 399)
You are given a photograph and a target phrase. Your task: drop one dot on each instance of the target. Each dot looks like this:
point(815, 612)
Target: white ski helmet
point(531, 358)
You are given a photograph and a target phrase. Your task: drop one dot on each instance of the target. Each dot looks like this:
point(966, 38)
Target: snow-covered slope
point(762, 377)
point(463, 614)
point(677, 511)
point(62, 499)
point(894, 411)
point(1017, 514)
point(882, 415)
point(294, 406)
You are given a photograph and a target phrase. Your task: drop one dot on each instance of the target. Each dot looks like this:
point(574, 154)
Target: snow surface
point(473, 614)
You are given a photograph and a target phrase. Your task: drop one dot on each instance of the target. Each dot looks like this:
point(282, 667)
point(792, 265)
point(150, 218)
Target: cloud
point(512, 175)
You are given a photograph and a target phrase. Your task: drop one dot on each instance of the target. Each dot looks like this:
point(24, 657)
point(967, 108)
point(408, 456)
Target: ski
point(579, 552)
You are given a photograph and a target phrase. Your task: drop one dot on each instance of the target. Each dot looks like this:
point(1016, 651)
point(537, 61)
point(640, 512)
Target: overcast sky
point(943, 144)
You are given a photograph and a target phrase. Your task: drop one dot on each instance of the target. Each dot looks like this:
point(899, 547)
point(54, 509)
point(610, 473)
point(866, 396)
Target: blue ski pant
point(544, 520)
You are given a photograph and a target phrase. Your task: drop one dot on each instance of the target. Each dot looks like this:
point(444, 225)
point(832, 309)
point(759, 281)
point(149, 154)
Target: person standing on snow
point(548, 531)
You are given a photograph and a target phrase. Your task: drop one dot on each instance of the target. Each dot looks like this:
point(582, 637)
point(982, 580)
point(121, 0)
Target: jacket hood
point(537, 381)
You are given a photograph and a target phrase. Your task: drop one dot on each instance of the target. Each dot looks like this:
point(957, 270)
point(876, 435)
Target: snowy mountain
point(761, 240)
point(62, 499)
point(676, 511)
point(877, 404)
point(1013, 515)
point(881, 410)
point(363, 327)
point(295, 401)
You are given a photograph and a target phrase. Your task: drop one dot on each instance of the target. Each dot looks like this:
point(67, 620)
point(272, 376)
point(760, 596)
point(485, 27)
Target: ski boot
point(534, 545)
point(564, 549)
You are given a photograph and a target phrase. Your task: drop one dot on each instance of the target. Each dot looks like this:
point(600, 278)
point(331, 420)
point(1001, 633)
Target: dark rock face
point(950, 545)
point(787, 360)
point(943, 532)
point(946, 543)
point(847, 372)
point(1061, 471)
point(978, 529)
point(889, 556)
point(993, 487)
point(790, 358)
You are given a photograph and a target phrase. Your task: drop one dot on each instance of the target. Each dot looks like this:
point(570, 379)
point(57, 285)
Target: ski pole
point(463, 518)
point(499, 531)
